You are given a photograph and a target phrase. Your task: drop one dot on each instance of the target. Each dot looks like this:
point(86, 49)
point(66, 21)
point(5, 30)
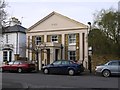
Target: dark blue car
point(63, 67)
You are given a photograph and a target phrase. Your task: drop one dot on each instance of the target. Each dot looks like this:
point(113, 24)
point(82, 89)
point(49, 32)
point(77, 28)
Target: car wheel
point(71, 72)
point(46, 71)
point(106, 73)
point(19, 70)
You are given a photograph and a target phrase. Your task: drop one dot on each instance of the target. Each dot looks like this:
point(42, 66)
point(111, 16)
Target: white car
point(110, 68)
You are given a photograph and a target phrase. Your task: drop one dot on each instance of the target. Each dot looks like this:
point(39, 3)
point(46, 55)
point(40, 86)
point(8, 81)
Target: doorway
point(56, 54)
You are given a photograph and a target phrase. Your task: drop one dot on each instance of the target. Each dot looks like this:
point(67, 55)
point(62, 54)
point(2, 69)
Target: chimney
point(14, 21)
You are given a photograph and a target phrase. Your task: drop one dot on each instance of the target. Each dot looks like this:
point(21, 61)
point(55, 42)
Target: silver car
point(110, 68)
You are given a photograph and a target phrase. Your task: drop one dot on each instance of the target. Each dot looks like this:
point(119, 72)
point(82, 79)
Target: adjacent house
point(57, 37)
point(12, 41)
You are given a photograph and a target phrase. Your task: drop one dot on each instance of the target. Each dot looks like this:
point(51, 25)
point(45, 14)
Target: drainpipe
point(17, 43)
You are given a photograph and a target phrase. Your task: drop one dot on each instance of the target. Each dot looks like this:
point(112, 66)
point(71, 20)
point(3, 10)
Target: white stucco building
point(62, 38)
point(12, 41)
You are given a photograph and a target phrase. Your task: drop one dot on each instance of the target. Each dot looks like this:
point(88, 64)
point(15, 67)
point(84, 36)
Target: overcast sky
point(31, 11)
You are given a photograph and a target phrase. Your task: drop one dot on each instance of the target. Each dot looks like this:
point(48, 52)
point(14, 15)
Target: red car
point(18, 66)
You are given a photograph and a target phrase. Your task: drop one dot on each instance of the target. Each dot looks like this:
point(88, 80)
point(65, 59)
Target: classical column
point(45, 51)
point(45, 38)
point(40, 60)
point(30, 51)
point(81, 45)
point(52, 54)
point(86, 49)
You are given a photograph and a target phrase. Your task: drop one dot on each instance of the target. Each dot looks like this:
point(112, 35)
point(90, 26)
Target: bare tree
point(37, 49)
point(2, 14)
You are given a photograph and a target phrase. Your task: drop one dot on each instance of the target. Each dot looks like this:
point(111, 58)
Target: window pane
point(72, 55)
point(72, 38)
point(37, 40)
point(54, 38)
point(5, 56)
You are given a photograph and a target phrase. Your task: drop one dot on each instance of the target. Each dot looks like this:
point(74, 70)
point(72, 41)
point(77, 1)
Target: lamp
point(90, 51)
point(89, 23)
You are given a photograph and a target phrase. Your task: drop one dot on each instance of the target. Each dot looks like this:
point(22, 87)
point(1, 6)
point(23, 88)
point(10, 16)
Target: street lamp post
point(89, 52)
point(61, 51)
point(89, 23)
point(89, 59)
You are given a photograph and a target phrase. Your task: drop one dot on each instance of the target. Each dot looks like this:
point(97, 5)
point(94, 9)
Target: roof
point(50, 15)
point(15, 28)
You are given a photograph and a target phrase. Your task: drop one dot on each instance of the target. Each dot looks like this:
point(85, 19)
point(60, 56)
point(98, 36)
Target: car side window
point(57, 63)
point(113, 63)
point(16, 62)
point(10, 63)
point(65, 62)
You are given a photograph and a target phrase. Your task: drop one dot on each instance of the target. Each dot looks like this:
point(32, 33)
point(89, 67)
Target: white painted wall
point(1, 58)
point(22, 44)
point(1, 54)
point(12, 39)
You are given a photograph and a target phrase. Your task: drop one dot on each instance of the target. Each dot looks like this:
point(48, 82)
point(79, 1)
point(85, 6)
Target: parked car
point(110, 68)
point(18, 66)
point(63, 67)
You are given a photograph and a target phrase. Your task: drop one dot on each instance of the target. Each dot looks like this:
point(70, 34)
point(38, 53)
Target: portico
point(64, 38)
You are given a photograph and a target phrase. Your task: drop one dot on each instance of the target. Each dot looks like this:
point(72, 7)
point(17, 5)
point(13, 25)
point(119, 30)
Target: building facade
point(12, 41)
point(57, 37)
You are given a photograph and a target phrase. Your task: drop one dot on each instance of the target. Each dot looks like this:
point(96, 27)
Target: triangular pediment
point(55, 21)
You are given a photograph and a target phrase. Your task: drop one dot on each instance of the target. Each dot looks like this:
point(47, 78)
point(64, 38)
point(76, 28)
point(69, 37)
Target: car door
point(8, 66)
point(119, 67)
point(113, 66)
point(55, 67)
point(64, 66)
point(15, 65)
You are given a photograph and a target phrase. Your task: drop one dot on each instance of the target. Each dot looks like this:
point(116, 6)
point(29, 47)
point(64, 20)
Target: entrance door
point(56, 54)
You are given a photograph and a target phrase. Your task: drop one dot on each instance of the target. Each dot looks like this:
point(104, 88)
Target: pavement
point(87, 72)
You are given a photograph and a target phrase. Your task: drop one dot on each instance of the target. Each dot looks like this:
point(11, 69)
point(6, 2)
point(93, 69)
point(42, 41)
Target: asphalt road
point(39, 80)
